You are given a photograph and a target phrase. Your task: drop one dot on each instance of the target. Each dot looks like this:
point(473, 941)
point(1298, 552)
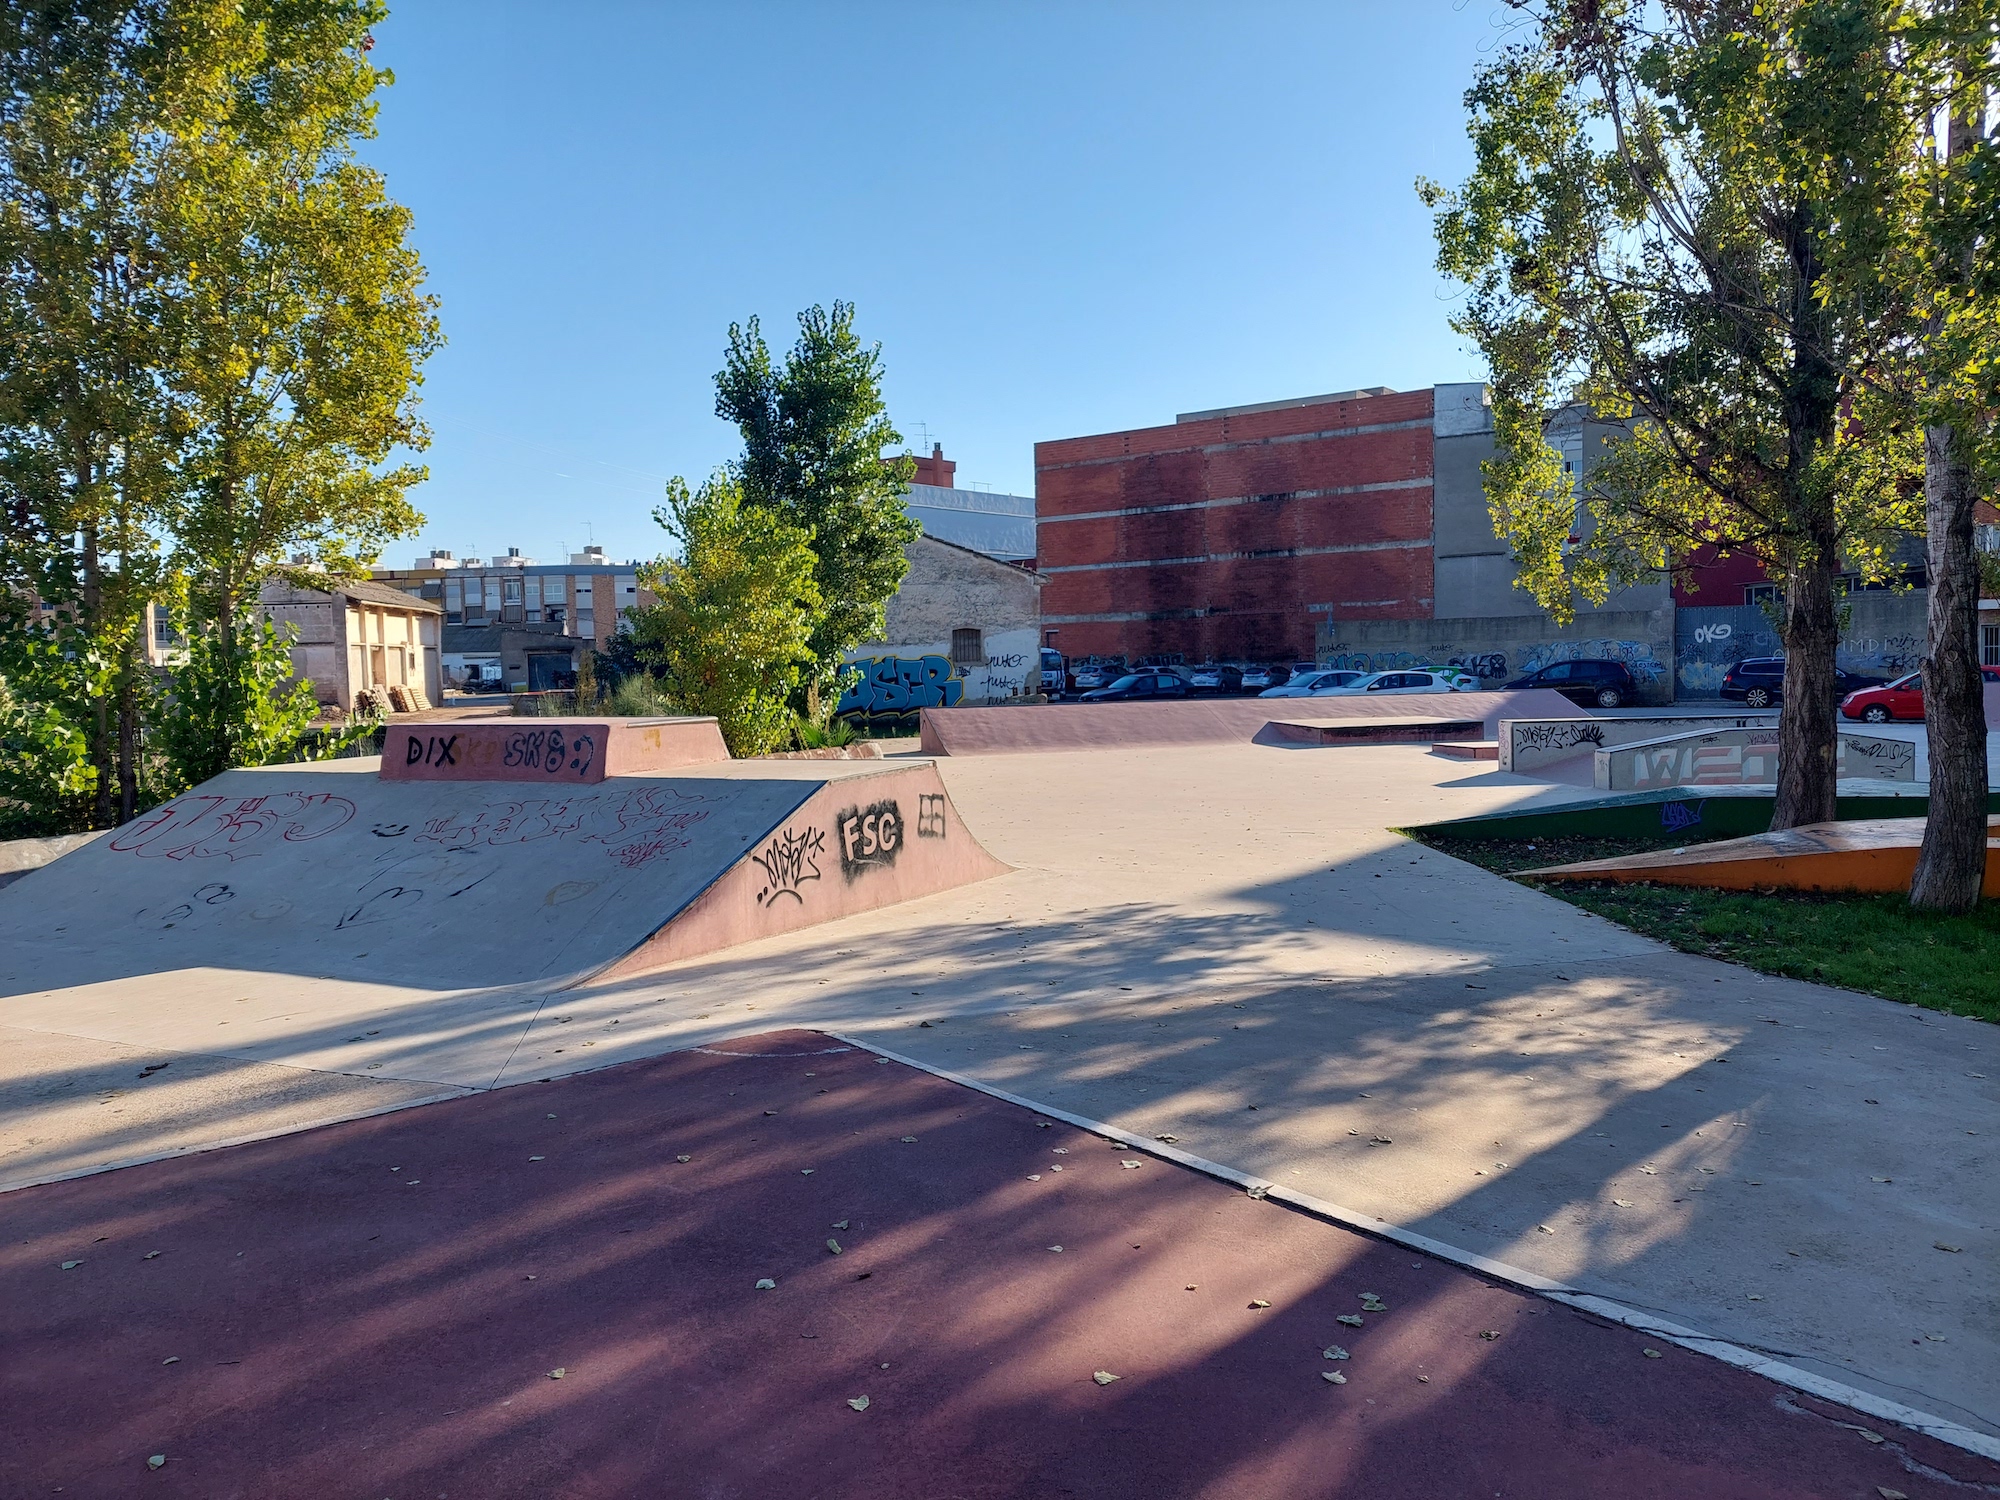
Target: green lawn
point(1871, 943)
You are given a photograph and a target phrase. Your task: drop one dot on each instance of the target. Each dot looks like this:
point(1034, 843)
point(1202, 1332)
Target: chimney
point(936, 469)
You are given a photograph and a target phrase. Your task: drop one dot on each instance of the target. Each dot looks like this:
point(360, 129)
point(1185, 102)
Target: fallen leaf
point(767, 1285)
point(1938, 1245)
point(1103, 1377)
point(538, 1158)
point(1056, 1248)
point(1881, 1179)
point(150, 1255)
point(1622, 1202)
point(770, 1111)
point(1258, 1302)
point(1129, 1164)
point(1545, 1229)
point(1043, 1124)
point(1489, 1334)
point(1649, 1171)
point(1888, 1494)
point(1334, 1351)
point(1935, 1338)
point(1190, 1286)
point(1258, 1190)
point(683, 1158)
point(840, 1224)
point(909, 1140)
point(157, 1461)
point(859, 1403)
point(1169, 1139)
point(1652, 1353)
point(1424, 1379)
point(171, 1359)
point(1352, 1320)
point(1380, 1140)
point(71, 1265)
point(806, 1171)
point(1034, 1177)
point(1333, 1377)
point(834, 1246)
point(558, 1372)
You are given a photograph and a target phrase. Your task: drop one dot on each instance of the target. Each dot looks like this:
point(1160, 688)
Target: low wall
point(1526, 745)
point(1499, 648)
point(20, 857)
point(1741, 757)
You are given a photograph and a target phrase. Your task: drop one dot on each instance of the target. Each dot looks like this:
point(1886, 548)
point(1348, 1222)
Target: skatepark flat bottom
point(552, 1289)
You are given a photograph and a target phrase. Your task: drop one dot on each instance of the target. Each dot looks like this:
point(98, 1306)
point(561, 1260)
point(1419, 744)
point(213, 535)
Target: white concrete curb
point(1855, 1399)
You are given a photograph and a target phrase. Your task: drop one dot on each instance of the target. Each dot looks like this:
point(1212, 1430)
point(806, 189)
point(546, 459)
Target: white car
point(1430, 680)
point(1313, 684)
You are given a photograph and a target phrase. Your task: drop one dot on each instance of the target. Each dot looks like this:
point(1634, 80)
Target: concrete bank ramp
point(332, 872)
point(1204, 721)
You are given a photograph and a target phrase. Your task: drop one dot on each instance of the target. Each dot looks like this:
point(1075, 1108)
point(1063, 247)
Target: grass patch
point(1872, 943)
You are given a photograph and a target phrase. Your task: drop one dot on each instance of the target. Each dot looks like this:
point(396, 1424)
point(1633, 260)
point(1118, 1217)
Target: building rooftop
point(1238, 411)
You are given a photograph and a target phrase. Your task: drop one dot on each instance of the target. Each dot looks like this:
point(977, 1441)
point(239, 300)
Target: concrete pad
point(553, 1290)
point(1470, 1009)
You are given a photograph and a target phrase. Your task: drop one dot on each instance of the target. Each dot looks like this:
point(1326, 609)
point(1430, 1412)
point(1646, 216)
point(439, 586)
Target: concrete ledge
point(1393, 729)
point(1528, 744)
point(1741, 757)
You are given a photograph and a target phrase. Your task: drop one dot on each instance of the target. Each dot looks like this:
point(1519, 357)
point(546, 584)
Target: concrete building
point(1350, 526)
point(584, 597)
point(964, 629)
point(358, 635)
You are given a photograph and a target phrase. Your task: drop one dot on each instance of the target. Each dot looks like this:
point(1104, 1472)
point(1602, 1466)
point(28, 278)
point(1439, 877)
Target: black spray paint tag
point(870, 838)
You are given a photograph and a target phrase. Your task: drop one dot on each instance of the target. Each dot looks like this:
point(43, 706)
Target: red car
point(1901, 699)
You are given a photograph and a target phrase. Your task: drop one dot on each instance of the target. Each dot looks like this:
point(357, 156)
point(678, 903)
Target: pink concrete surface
point(1203, 721)
point(1394, 729)
point(551, 1290)
point(856, 844)
point(551, 752)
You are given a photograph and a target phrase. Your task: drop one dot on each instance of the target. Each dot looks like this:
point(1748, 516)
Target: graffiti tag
point(930, 815)
point(1678, 815)
point(870, 838)
point(636, 828)
point(1704, 634)
point(901, 685)
point(788, 862)
point(200, 827)
point(548, 751)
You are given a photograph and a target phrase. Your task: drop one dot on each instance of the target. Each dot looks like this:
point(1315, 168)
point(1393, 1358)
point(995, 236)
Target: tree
point(1646, 231)
point(814, 433)
point(296, 325)
point(80, 462)
point(731, 633)
point(236, 703)
point(1943, 74)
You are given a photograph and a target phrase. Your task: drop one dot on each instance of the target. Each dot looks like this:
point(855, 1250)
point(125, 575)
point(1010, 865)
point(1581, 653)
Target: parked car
point(1429, 680)
point(1759, 681)
point(1901, 699)
point(1599, 684)
point(1256, 679)
point(1312, 682)
point(1085, 676)
point(1154, 684)
point(1216, 677)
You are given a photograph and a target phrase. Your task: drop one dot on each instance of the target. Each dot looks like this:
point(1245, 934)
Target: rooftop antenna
point(924, 442)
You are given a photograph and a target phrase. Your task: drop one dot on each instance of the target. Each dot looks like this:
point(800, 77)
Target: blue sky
point(1056, 218)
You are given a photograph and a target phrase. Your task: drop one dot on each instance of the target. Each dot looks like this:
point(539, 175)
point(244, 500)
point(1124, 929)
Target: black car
point(1759, 681)
point(1140, 685)
point(1591, 684)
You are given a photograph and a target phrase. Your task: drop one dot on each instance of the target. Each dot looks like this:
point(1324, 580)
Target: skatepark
point(1730, 1234)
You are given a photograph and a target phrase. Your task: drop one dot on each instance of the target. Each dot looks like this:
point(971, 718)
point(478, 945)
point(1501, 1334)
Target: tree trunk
point(1807, 725)
point(128, 731)
point(1952, 863)
point(103, 801)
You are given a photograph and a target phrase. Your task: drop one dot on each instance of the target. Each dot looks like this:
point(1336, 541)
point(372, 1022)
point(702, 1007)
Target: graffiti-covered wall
point(897, 682)
point(1498, 648)
point(1884, 637)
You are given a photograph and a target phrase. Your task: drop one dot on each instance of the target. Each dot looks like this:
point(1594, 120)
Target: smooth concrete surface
point(1227, 944)
point(548, 751)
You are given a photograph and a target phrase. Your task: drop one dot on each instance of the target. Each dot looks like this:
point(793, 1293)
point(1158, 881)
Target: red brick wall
point(1214, 538)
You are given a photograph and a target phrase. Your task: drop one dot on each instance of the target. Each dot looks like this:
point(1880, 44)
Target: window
point(1761, 593)
point(966, 650)
point(1560, 672)
point(510, 590)
point(1989, 645)
point(163, 629)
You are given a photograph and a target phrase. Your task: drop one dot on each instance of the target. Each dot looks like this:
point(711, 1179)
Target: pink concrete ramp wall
point(1202, 721)
point(858, 843)
point(554, 752)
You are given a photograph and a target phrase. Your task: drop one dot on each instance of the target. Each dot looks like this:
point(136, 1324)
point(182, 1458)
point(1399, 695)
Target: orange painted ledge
point(1873, 854)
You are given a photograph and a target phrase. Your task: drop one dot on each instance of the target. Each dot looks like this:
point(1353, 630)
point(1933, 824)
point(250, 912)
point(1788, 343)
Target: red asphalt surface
point(376, 1309)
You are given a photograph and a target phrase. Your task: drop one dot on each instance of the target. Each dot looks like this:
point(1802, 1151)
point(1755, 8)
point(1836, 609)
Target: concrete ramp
point(330, 872)
point(1203, 721)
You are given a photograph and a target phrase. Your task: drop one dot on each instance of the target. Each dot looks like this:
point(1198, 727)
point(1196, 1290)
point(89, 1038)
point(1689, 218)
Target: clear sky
point(1056, 216)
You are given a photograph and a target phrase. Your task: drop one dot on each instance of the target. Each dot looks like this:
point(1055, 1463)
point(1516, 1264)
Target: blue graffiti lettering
point(895, 686)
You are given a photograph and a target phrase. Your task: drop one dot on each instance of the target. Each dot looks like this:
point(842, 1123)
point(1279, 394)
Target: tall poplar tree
point(1647, 230)
point(816, 435)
